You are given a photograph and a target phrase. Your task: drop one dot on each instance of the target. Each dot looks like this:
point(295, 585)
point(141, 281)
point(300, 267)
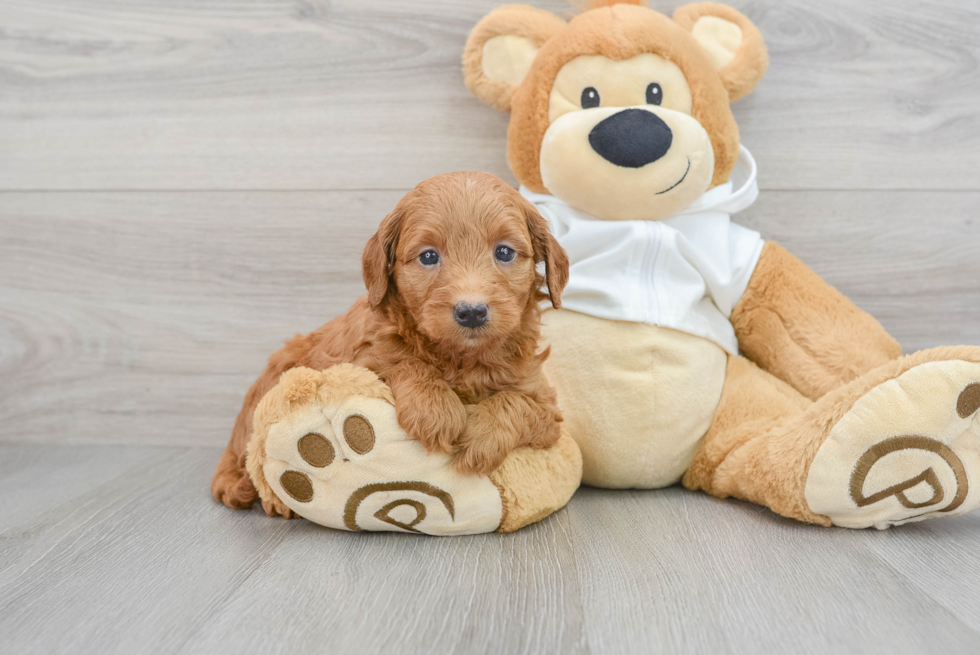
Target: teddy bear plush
point(688, 349)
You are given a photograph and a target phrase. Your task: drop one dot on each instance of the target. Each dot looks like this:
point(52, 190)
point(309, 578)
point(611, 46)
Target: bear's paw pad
point(351, 466)
point(907, 450)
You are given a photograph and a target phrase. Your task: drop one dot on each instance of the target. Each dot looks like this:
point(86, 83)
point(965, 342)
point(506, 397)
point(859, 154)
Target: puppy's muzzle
point(471, 316)
point(631, 138)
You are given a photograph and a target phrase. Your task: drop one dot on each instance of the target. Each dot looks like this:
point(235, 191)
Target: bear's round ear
point(733, 44)
point(501, 49)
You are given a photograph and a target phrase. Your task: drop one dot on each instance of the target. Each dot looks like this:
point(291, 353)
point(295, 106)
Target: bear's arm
point(802, 330)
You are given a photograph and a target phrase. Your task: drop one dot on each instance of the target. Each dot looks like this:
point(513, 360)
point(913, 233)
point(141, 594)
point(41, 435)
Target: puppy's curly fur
point(477, 393)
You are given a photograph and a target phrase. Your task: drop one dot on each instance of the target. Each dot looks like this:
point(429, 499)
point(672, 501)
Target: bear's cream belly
point(637, 398)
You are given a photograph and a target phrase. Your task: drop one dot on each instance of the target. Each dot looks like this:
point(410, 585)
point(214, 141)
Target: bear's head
point(621, 112)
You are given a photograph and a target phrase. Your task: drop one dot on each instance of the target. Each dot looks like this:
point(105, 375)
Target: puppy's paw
point(233, 488)
point(485, 443)
point(276, 507)
point(435, 420)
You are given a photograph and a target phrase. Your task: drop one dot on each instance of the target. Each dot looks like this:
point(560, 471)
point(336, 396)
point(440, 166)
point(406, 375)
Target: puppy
point(450, 322)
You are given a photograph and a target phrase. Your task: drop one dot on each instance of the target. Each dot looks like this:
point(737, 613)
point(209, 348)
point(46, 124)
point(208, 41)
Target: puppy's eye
point(590, 98)
point(504, 254)
point(429, 258)
point(655, 94)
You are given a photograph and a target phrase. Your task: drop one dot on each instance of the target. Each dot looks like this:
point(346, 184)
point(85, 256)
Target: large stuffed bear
point(689, 349)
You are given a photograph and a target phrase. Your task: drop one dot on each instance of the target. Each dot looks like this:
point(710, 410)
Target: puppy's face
point(465, 266)
point(460, 253)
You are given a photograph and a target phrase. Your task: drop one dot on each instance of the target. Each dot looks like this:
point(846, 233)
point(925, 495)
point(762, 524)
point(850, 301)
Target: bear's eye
point(429, 258)
point(504, 254)
point(590, 98)
point(654, 94)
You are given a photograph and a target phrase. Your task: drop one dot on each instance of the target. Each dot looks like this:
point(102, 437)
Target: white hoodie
point(686, 272)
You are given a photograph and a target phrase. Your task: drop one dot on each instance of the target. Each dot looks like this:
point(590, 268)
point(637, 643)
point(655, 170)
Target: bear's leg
point(899, 444)
point(752, 403)
point(805, 332)
point(327, 446)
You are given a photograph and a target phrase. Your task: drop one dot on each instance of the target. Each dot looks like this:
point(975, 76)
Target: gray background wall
point(183, 185)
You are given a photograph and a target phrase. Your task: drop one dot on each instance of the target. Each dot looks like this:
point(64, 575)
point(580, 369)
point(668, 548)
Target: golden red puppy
point(450, 321)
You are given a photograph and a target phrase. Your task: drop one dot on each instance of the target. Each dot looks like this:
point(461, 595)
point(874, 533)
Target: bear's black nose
point(631, 138)
point(470, 316)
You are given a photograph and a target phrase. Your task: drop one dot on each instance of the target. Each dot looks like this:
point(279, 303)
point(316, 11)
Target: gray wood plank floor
point(186, 183)
point(118, 549)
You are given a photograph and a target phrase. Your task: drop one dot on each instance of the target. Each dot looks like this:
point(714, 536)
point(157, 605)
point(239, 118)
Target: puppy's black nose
point(471, 316)
point(631, 138)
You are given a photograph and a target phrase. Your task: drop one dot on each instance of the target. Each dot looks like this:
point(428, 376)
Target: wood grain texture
point(137, 559)
point(145, 561)
point(671, 570)
point(143, 317)
point(355, 94)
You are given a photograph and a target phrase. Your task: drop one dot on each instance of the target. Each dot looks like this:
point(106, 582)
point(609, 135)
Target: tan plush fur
point(751, 60)
point(751, 401)
point(476, 392)
point(766, 459)
point(510, 20)
point(532, 482)
point(536, 483)
point(636, 397)
point(809, 353)
point(619, 31)
point(296, 388)
point(803, 331)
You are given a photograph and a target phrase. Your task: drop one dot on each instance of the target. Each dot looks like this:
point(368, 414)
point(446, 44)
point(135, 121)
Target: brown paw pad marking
point(895, 444)
point(384, 514)
point(359, 434)
point(969, 400)
point(315, 450)
point(297, 485)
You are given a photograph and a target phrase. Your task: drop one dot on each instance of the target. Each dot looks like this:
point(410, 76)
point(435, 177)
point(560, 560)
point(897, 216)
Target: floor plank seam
point(917, 590)
point(216, 607)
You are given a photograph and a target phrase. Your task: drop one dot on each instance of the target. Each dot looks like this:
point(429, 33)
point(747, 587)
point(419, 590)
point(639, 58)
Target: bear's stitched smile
point(688, 170)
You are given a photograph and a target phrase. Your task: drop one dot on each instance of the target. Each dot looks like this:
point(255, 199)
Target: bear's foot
point(907, 450)
point(328, 446)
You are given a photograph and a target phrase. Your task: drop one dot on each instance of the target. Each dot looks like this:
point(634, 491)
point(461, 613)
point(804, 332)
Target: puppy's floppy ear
point(547, 250)
point(378, 258)
point(501, 49)
point(732, 42)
